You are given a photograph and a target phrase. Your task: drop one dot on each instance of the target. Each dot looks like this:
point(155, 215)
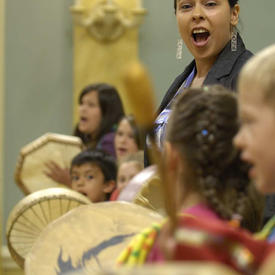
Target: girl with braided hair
point(211, 189)
point(201, 156)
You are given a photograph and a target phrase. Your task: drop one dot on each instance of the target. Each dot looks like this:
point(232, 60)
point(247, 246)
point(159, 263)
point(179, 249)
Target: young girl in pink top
point(211, 188)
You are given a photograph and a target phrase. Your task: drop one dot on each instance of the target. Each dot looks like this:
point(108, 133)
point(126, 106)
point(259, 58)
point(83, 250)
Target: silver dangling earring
point(234, 43)
point(179, 49)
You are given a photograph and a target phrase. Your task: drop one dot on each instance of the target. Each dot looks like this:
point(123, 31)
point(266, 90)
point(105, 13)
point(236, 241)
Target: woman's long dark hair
point(111, 109)
point(202, 126)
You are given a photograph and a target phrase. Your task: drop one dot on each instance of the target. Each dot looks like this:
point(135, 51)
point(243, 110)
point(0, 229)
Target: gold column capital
point(107, 20)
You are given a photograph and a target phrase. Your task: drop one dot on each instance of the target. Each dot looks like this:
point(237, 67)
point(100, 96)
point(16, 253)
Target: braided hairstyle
point(232, 3)
point(202, 126)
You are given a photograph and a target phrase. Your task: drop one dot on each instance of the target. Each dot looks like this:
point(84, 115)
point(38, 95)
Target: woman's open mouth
point(200, 36)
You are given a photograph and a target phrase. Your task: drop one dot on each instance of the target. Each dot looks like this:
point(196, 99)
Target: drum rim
point(29, 201)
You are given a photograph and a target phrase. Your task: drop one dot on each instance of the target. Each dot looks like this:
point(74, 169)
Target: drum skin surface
point(172, 268)
point(87, 239)
point(145, 189)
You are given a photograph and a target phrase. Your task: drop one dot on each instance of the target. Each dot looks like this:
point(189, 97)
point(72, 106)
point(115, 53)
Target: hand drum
point(88, 238)
point(33, 213)
point(30, 167)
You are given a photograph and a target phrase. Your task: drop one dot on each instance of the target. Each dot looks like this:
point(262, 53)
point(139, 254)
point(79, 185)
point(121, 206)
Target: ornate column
point(105, 42)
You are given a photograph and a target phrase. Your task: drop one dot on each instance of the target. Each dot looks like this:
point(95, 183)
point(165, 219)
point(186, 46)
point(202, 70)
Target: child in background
point(256, 137)
point(211, 189)
point(99, 109)
point(127, 138)
point(128, 167)
point(93, 173)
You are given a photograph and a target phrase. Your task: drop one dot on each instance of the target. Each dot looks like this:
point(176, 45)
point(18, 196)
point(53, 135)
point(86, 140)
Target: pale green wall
point(39, 66)
point(158, 39)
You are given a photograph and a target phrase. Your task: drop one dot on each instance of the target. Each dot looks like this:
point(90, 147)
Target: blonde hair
point(260, 70)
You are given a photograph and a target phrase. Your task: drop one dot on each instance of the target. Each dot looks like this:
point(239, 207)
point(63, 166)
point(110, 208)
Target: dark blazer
point(225, 71)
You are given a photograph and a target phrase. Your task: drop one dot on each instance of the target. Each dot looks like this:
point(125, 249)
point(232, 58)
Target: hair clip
point(204, 132)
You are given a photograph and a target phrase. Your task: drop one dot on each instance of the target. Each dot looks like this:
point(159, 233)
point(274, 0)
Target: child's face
point(89, 113)
point(125, 143)
point(88, 179)
point(256, 137)
point(126, 172)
